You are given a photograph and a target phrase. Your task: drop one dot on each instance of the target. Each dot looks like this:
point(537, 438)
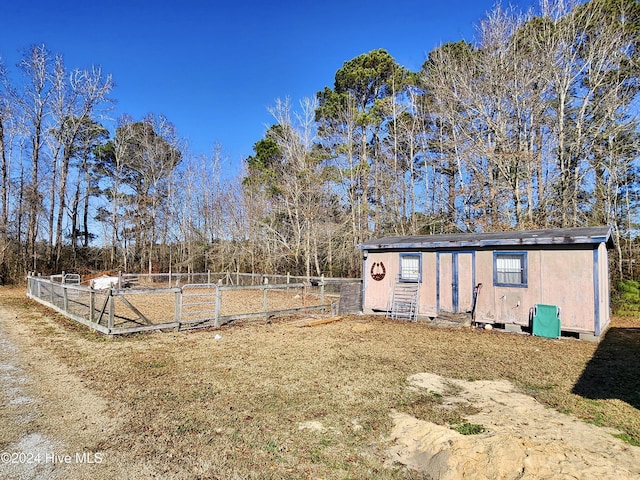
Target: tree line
point(532, 125)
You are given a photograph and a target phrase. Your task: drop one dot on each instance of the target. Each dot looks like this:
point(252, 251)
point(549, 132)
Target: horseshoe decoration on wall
point(378, 271)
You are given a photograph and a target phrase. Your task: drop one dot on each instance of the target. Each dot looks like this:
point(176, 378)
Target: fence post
point(322, 289)
point(65, 298)
point(112, 309)
point(208, 276)
point(216, 321)
point(264, 302)
point(92, 302)
point(177, 311)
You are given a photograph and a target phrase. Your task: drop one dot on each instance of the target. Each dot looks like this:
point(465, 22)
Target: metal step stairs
point(404, 301)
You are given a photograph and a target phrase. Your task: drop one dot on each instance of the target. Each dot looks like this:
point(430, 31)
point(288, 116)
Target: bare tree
point(288, 178)
point(77, 100)
point(516, 115)
point(448, 77)
point(6, 120)
point(34, 102)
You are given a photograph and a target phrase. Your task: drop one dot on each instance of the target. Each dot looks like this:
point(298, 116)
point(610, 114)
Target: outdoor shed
point(501, 276)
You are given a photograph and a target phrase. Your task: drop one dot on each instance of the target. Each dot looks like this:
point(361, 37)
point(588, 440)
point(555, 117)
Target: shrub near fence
point(160, 301)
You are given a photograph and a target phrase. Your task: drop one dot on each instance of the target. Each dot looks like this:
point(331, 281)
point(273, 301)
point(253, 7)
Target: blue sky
point(213, 67)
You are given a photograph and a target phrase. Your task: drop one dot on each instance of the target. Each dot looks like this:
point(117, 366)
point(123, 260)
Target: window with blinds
point(510, 269)
point(410, 268)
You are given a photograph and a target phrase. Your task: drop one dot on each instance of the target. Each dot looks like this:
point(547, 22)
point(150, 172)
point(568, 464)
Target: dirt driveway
point(51, 425)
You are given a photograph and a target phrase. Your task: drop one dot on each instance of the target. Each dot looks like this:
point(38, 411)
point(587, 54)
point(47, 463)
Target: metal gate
point(72, 279)
point(199, 305)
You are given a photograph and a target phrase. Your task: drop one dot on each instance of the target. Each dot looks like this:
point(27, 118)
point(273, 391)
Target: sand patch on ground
point(523, 439)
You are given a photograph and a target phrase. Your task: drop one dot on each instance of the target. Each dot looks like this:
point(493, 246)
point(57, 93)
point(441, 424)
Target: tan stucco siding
point(554, 277)
point(428, 296)
point(378, 293)
point(465, 282)
point(506, 304)
point(562, 277)
point(567, 281)
point(603, 286)
point(514, 304)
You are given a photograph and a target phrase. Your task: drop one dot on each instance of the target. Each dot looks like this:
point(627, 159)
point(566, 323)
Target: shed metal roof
point(559, 236)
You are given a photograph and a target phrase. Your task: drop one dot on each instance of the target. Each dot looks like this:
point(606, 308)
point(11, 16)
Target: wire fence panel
point(99, 307)
point(144, 307)
point(155, 302)
point(167, 280)
point(74, 301)
point(77, 301)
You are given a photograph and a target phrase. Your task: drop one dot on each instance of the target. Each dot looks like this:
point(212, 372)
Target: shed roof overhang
point(561, 236)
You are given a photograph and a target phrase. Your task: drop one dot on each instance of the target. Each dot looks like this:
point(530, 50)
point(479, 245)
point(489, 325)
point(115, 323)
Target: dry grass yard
point(276, 400)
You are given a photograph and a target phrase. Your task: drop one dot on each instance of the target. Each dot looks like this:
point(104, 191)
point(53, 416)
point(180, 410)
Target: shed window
point(410, 268)
point(510, 269)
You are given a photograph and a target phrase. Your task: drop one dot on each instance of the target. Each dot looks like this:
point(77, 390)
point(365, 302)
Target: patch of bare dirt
point(522, 438)
point(51, 425)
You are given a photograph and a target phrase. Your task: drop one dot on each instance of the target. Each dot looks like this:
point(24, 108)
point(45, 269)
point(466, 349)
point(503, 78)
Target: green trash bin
point(546, 321)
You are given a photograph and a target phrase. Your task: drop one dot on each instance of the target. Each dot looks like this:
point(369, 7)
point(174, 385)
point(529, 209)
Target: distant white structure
point(104, 282)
